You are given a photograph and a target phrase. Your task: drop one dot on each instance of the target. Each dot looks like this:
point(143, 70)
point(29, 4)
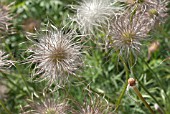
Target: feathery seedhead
point(127, 32)
point(94, 104)
point(48, 106)
point(56, 55)
point(4, 63)
point(92, 14)
point(5, 18)
point(156, 9)
point(51, 107)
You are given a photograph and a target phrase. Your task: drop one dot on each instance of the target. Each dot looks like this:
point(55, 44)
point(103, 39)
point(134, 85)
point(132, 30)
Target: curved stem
point(3, 106)
point(125, 86)
point(121, 95)
point(143, 86)
point(143, 100)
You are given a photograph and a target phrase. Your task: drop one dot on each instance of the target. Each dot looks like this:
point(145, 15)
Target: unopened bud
point(131, 81)
point(152, 48)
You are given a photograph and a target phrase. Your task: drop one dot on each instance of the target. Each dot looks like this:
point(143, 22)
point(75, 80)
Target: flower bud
point(131, 81)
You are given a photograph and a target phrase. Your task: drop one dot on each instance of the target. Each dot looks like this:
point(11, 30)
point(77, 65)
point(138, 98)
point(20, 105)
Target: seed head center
point(51, 111)
point(58, 54)
point(128, 37)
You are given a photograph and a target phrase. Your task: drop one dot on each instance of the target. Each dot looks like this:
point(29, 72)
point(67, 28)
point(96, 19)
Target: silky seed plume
point(57, 54)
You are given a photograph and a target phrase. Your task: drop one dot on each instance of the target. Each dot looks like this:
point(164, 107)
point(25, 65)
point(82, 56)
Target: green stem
point(121, 96)
point(144, 86)
point(143, 100)
point(3, 106)
point(125, 86)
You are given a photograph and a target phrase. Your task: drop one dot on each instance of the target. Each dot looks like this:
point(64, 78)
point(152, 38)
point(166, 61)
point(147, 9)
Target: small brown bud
point(131, 81)
point(152, 48)
point(31, 24)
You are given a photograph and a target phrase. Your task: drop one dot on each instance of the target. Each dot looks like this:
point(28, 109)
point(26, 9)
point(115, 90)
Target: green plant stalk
point(131, 59)
point(137, 91)
point(125, 86)
point(143, 100)
point(121, 95)
point(3, 106)
point(23, 78)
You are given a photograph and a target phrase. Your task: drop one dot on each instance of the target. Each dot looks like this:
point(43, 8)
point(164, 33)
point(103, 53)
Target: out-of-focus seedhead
point(30, 25)
point(4, 63)
point(155, 9)
point(5, 18)
point(94, 104)
point(92, 14)
point(154, 46)
point(48, 106)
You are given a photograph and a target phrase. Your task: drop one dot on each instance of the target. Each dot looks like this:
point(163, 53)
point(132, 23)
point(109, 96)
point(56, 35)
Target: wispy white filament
point(56, 55)
point(127, 33)
point(94, 13)
point(4, 63)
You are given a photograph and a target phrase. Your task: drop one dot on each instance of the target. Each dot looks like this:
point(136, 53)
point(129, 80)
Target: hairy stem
point(125, 86)
point(143, 100)
point(145, 89)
